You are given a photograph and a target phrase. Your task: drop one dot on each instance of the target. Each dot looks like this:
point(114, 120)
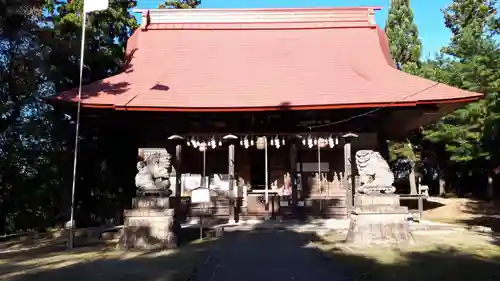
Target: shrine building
point(263, 105)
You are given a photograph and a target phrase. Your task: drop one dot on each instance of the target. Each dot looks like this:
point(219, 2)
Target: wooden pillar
point(232, 197)
point(293, 175)
point(383, 146)
point(178, 172)
point(178, 216)
point(349, 170)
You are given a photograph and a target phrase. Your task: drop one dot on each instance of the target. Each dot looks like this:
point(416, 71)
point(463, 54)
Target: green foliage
point(39, 55)
point(405, 47)
point(180, 4)
point(402, 32)
point(106, 35)
point(472, 63)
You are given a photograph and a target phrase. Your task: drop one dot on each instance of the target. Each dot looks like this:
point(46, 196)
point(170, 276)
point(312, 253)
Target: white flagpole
point(77, 135)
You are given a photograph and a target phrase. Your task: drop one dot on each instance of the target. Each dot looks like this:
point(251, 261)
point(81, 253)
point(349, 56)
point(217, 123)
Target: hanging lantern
point(220, 143)
point(303, 141)
point(203, 146)
point(251, 142)
point(261, 143)
point(321, 142)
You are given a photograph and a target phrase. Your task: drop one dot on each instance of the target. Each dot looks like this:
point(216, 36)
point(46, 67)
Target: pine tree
point(471, 61)
point(402, 32)
point(180, 4)
point(474, 60)
point(405, 47)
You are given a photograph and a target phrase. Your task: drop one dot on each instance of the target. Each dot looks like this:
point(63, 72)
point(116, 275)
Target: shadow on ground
point(261, 255)
point(481, 213)
point(427, 204)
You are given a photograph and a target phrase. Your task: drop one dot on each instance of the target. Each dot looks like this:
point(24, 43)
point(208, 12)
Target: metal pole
point(319, 167)
point(319, 177)
point(204, 167)
point(232, 195)
point(77, 135)
point(266, 190)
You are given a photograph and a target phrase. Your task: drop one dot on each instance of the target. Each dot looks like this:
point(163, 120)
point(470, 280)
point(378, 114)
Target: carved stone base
point(160, 192)
point(149, 202)
point(148, 229)
point(368, 189)
point(376, 200)
point(378, 219)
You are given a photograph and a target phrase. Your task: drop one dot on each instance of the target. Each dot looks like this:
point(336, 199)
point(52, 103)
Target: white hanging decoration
point(272, 142)
point(220, 143)
point(245, 142)
point(331, 142)
point(213, 144)
point(310, 142)
point(251, 142)
point(336, 141)
point(303, 141)
point(277, 142)
point(283, 141)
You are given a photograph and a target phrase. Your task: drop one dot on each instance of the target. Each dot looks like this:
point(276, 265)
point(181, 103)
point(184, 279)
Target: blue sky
point(428, 14)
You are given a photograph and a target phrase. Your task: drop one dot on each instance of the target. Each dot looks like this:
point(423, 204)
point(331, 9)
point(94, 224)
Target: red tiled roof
point(211, 60)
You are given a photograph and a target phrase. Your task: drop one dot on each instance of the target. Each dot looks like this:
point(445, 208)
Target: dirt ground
point(434, 256)
point(453, 254)
point(104, 262)
point(464, 211)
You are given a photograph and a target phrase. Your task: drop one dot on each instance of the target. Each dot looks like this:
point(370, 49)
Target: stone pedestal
point(378, 218)
point(150, 225)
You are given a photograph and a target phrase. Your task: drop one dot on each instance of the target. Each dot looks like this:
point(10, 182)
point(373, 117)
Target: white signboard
point(191, 182)
point(200, 195)
point(284, 203)
point(312, 167)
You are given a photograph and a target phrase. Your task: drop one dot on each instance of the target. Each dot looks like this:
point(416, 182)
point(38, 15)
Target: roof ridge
point(364, 15)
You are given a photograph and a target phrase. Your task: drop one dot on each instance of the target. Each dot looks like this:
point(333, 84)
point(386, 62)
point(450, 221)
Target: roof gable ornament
point(146, 20)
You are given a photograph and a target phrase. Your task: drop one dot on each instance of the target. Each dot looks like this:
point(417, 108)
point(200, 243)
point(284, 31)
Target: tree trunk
point(489, 191)
point(413, 182)
point(442, 187)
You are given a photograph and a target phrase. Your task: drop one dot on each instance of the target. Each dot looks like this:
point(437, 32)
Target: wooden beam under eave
point(403, 122)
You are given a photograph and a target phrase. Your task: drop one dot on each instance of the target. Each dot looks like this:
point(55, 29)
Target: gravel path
point(267, 255)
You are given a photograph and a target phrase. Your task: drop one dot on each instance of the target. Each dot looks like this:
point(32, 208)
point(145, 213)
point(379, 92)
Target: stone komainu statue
point(153, 170)
point(374, 172)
